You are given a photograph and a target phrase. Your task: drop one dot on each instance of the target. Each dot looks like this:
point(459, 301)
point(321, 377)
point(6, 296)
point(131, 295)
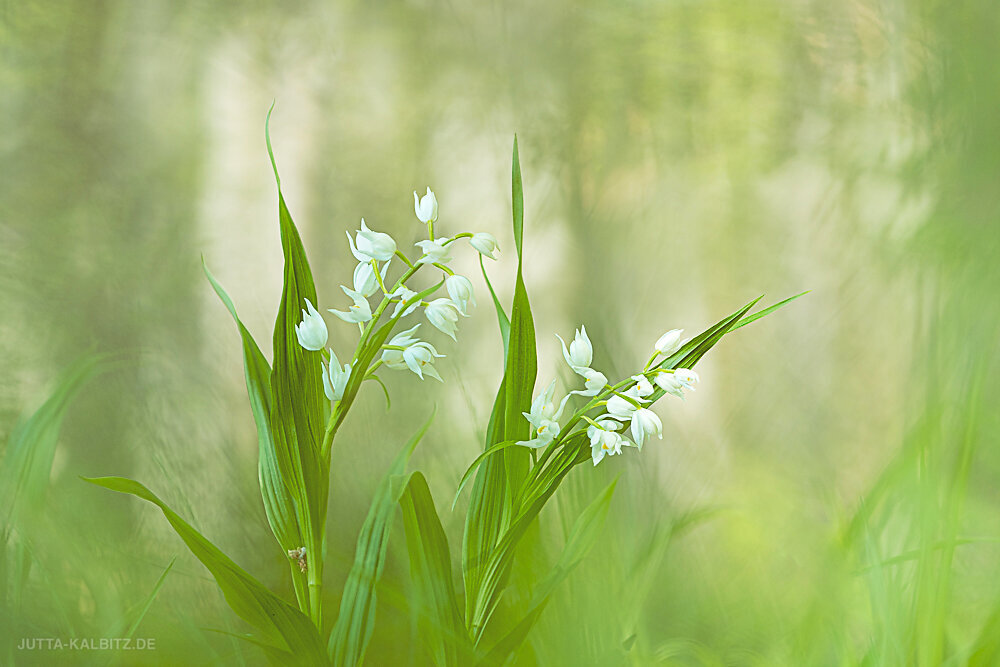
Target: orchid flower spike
point(645, 423)
point(335, 378)
point(426, 207)
point(669, 342)
point(311, 331)
point(484, 243)
point(580, 352)
point(372, 245)
point(435, 252)
point(359, 311)
point(675, 382)
point(443, 314)
point(460, 290)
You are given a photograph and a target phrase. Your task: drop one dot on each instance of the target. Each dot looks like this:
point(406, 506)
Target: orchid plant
point(302, 397)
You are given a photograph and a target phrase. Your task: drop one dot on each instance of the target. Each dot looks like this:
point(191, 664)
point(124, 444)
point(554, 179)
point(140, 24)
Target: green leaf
point(289, 633)
point(353, 630)
point(278, 504)
point(434, 601)
point(502, 320)
point(767, 311)
point(298, 414)
point(584, 534)
point(500, 446)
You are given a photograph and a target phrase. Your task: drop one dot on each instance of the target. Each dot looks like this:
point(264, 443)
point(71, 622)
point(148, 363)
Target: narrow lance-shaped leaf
point(584, 534)
point(278, 504)
point(287, 632)
point(356, 622)
point(434, 600)
point(297, 402)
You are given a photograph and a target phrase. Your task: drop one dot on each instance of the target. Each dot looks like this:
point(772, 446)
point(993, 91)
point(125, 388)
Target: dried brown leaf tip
point(299, 556)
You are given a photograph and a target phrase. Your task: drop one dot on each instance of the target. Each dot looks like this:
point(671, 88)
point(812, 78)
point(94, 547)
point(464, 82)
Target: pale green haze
point(830, 494)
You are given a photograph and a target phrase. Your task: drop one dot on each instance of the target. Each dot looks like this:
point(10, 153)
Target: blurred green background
point(829, 496)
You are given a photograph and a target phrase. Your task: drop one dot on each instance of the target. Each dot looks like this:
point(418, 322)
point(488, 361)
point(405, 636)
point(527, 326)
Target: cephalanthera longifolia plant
point(301, 399)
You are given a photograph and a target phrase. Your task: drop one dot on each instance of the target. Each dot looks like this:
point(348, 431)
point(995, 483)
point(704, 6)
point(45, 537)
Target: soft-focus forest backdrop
point(828, 496)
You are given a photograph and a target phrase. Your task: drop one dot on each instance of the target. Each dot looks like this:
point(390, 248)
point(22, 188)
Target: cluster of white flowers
point(374, 252)
point(624, 406)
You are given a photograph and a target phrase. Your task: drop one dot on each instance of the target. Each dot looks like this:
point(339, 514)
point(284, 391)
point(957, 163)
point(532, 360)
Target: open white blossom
point(580, 352)
point(435, 252)
point(460, 290)
point(595, 382)
point(645, 423)
point(426, 207)
point(443, 314)
point(311, 331)
point(365, 281)
point(643, 387)
point(416, 355)
point(372, 245)
point(404, 294)
point(359, 311)
point(335, 378)
point(675, 382)
point(622, 409)
point(484, 243)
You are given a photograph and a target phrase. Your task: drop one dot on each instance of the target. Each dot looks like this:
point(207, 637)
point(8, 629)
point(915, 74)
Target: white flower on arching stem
point(595, 382)
point(426, 207)
point(645, 423)
point(605, 443)
point(622, 409)
point(359, 311)
point(544, 418)
point(545, 433)
point(677, 381)
point(372, 245)
point(485, 243)
point(365, 281)
point(311, 331)
point(443, 314)
point(669, 342)
point(643, 387)
point(416, 355)
point(435, 252)
point(580, 352)
point(460, 290)
point(335, 378)
point(404, 294)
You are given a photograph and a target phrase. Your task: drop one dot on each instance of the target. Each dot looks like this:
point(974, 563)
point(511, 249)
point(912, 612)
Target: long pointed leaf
point(282, 627)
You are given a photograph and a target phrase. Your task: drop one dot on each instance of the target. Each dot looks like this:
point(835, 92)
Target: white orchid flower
point(365, 280)
point(416, 355)
point(443, 314)
point(643, 388)
point(580, 352)
point(621, 408)
point(545, 433)
point(359, 311)
point(335, 378)
point(595, 382)
point(669, 342)
point(404, 294)
point(675, 382)
point(460, 290)
point(372, 245)
point(426, 207)
point(645, 423)
point(605, 443)
point(484, 243)
point(435, 252)
point(543, 407)
point(311, 331)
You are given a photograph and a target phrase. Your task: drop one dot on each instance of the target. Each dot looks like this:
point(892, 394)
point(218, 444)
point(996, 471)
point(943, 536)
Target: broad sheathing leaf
point(289, 635)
